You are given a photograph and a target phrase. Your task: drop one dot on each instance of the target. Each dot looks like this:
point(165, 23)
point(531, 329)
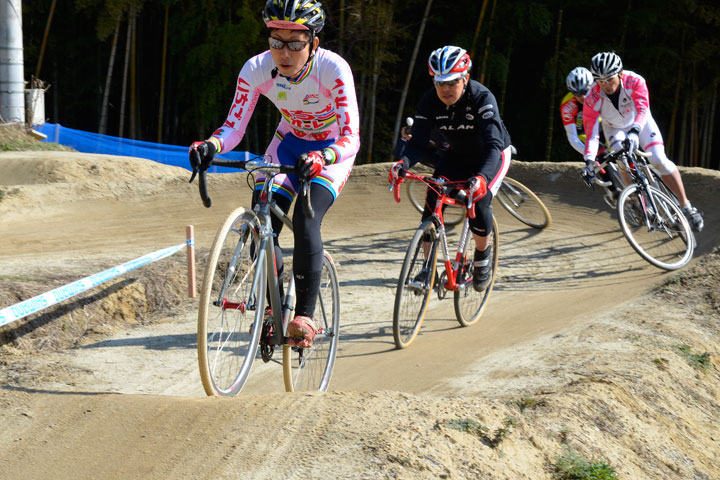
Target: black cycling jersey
point(472, 129)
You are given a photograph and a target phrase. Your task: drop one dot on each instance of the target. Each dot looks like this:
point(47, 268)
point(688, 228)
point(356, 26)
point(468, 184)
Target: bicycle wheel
point(667, 242)
point(311, 368)
point(469, 303)
point(523, 204)
point(231, 313)
point(452, 215)
point(412, 297)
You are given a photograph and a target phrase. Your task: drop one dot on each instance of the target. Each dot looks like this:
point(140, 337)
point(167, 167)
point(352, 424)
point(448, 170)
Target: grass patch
point(492, 440)
point(573, 466)
point(17, 138)
point(700, 361)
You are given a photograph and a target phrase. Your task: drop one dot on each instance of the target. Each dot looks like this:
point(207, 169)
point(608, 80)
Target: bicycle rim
point(469, 303)
point(228, 335)
point(311, 368)
point(668, 243)
point(523, 204)
point(412, 298)
point(416, 191)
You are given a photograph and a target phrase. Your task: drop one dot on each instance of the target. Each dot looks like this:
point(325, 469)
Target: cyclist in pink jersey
point(578, 82)
point(314, 91)
point(621, 98)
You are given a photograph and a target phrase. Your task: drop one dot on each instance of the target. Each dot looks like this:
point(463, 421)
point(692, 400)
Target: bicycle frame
point(636, 163)
point(443, 188)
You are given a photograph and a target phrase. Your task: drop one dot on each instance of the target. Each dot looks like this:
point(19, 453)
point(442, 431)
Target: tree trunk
point(682, 151)
point(711, 129)
point(341, 37)
point(161, 107)
point(626, 21)
point(476, 37)
point(676, 101)
point(406, 87)
point(503, 90)
point(487, 43)
point(121, 129)
point(553, 75)
point(133, 78)
point(44, 40)
point(102, 128)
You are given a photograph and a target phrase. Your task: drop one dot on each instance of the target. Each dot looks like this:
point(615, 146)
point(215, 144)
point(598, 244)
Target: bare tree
point(406, 87)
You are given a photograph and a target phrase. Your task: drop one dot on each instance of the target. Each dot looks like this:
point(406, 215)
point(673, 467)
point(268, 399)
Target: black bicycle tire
point(299, 364)
point(530, 196)
point(461, 294)
point(403, 319)
point(625, 226)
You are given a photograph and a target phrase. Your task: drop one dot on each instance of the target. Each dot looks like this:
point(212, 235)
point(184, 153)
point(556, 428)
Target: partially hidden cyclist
point(621, 98)
point(578, 83)
point(476, 146)
point(314, 91)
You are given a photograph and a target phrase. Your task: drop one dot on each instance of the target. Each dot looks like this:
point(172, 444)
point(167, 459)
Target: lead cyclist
point(314, 91)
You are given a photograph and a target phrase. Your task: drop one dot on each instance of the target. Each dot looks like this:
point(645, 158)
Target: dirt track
point(74, 215)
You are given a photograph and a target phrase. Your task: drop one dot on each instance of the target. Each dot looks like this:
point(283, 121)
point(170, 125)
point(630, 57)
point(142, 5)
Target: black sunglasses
point(294, 45)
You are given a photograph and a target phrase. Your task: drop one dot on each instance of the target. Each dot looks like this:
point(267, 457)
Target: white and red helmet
point(448, 63)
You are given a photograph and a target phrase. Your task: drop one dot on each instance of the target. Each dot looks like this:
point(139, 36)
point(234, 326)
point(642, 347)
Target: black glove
point(201, 155)
point(309, 165)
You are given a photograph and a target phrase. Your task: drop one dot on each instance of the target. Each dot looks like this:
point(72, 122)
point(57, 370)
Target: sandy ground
point(578, 350)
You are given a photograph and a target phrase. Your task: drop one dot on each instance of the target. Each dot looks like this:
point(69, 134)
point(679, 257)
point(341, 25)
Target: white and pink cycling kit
point(319, 110)
point(633, 109)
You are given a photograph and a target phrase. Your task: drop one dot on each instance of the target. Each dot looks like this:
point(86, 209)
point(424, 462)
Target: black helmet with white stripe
point(605, 65)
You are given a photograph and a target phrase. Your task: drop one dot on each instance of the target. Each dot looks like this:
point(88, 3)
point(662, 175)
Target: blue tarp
point(88, 142)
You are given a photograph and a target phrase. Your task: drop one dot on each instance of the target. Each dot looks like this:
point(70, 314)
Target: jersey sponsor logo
point(486, 107)
point(469, 116)
point(459, 127)
point(442, 117)
point(311, 98)
point(487, 115)
point(282, 85)
point(282, 96)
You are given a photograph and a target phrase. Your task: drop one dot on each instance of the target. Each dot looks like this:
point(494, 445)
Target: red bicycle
point(417, 277)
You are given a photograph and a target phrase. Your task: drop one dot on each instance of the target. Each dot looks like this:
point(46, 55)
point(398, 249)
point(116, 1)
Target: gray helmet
point(605, 65)
point(579, 80)
point(294, 15)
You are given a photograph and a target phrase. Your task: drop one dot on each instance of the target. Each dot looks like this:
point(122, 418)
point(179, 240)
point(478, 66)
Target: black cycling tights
point(308, 247)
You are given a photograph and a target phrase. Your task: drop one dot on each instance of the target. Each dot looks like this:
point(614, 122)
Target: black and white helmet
point(605, 65)
point(294, 15)
point(579, 80)
point(449, 63)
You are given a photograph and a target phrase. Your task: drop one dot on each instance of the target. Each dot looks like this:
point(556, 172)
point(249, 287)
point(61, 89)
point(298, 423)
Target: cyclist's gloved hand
point(201, 155)
point(309, 165)
point(632, 142)
point(476, 187)
point(398, 170)
point(588, 170)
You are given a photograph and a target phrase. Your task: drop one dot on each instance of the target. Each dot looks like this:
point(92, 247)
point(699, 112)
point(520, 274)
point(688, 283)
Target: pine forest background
point(165, 70)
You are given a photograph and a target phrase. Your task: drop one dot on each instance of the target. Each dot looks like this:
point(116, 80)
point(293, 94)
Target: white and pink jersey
point(319, 105)
point(633, 109)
